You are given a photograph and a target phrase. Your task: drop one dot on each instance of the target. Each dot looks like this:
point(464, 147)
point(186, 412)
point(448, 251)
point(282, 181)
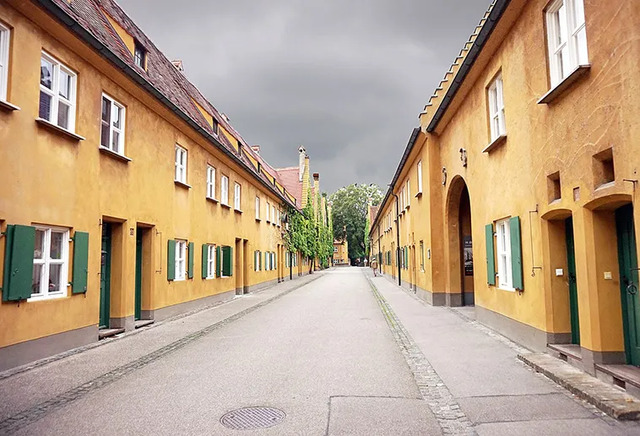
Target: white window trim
point(114, 104)
point(257, 208)
point(273, 214)
point(574, 25)
point(5, 37)
point(46, 262)
point(54, 93)
point(211, 182)
point(256, 255)
point(268, 212)
point(419, 177)
point(224, 190)
point(180, 164)
point(237, 196)
point(504, 266)
point(497, 122)
point(408, 194)
point(181, 260)
point(211, 261)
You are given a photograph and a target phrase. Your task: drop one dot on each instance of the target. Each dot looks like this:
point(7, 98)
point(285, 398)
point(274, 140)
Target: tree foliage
point(349, 209)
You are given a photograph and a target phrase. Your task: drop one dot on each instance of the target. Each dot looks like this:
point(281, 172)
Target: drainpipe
point(397, 236)
point(380, 257)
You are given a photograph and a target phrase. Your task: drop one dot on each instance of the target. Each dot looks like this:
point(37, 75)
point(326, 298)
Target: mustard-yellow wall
point(597, 112)
point(48, 178)
point(342, 255)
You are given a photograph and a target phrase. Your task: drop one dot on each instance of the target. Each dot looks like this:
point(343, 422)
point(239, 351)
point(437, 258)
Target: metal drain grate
point(249, 418)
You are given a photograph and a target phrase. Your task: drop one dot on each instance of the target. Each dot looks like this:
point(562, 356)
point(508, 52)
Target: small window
point(181, 165)
point(112, 127)
point(236, 197)
point(4, 61)
point(140, 56)
point(181, 260)
point(268, 211)
point(422, 256)
point(57, 93)
point(496, 109)
point(211, 261)
point(257, 208)
point(408, 193)
point(273, 214)
point(256, 260)
point(50, 263)
point(419, 177)
point(278, 217)
point(224, 190)
point(215, 126)
point(211, 182)
point(567, 38)
point(504, 255)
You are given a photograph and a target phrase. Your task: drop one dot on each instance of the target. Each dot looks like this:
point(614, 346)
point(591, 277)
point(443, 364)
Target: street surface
point(335, 354)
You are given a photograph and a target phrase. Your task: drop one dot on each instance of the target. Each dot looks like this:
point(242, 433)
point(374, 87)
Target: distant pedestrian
point(374, 267)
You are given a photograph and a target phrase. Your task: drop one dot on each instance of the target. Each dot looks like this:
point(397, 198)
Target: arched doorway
point(460, 245)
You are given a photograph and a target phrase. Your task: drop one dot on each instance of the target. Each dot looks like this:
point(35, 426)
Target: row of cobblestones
point(447, 411)
point(33, 414)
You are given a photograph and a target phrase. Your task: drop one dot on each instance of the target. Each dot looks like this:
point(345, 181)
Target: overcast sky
point(345, 78)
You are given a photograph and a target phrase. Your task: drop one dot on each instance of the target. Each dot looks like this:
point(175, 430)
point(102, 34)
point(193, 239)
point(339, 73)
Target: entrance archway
point(460, 290)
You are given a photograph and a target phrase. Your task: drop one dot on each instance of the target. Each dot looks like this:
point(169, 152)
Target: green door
point(105, 275)
point(573, 287)
point(628, 261)
point(138, 302)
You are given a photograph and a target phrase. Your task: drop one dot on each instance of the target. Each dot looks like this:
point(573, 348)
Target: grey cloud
point(345, 78)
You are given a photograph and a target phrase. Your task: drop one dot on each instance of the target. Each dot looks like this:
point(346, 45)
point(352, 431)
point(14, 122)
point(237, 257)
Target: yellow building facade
point(127, 196)
point(517, 192)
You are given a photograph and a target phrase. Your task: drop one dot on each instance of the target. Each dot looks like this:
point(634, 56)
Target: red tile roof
point(373, 211)
point(290, 178)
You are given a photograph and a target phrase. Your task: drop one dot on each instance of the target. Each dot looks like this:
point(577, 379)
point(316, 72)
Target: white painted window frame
point(273, 214)
point(504, 267)
point(257, 207)
point(408, 194)
point(181, 260)
point(211, 261)
point(496, 108)
point(419, 177)
point(45, 261)
point(54, 92)
point(115, 106)
point(224, 190)
point(566, 38)
point(5, 38)
point(181, 157)
point(237, 196)
point(211, 182)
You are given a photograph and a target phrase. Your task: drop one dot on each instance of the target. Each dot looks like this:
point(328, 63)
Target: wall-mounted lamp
point(463, 157)
point(444, 176)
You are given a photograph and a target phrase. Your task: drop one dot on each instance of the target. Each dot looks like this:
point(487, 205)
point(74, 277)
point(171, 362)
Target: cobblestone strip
point(28, 416)
point(447, 411)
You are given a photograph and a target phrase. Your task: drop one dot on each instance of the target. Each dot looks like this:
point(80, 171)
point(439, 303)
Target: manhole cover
point(252, 417)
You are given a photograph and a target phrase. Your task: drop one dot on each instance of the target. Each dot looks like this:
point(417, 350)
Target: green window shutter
point(218, 260)
point(171, 259)
point(80, 262)
point(266, 262)
point(205, 260)
point(20, 241)
point(516, 253)
point(227, 261)
point(192, 254)
point(491, 258)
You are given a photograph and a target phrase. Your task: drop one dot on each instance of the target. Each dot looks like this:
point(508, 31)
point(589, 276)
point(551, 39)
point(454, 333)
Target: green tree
point(349, 212)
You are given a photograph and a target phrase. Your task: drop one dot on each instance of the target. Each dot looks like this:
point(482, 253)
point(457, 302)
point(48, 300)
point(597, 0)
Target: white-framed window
point(505, 273)
point(57, 93)
point(567, 38)
point(419, 177)
point(224, 190)
point(267, 265)
point(211, 261)
point(211, 182)
point(50, 263)
point(256, 260)
point(4, 61)
point(236, 196)
point(181, 164)
point(181, 260)
point(496, 108)
point(273, 214)
point(139, 55)
point(112, 125)
point(268, 211)
point(257, 208)
point(408, 193)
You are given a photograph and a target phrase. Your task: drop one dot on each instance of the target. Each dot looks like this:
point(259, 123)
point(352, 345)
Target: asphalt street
point(332, 353)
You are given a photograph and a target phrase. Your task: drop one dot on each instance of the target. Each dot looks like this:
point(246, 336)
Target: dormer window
point(140, 56)
point(214, 126)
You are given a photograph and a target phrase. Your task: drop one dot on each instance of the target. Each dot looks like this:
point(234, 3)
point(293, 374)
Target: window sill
point(8, 106)
point(237, 211)
point(113, 154)
point(418, 195)
point(258, 220)
point(499, 141)
point(55, 128)
point(226, 206)
point(212, 199)
point(181, 184)
point(557, 90)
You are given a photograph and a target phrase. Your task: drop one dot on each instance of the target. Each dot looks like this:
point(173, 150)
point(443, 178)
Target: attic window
point(140, 56)
point(214, 126)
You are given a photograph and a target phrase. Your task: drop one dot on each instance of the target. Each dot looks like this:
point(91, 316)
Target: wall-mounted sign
point(467, 251)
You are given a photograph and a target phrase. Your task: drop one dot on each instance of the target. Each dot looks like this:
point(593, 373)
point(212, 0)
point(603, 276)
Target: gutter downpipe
point(398, 237)
point(379, 252)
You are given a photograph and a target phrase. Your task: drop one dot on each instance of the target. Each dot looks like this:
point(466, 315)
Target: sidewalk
point(31, 390)
point(480, 370)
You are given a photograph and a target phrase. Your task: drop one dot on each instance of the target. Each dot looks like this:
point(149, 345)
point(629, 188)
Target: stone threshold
point(108, 333)
point(610, 399)
point(626, 377)
point(142, 323)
